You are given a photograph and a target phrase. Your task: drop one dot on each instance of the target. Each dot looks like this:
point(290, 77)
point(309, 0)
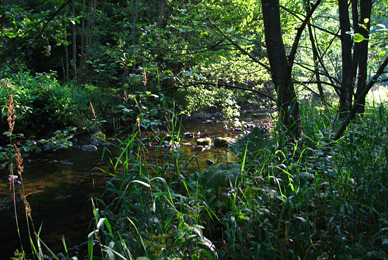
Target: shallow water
point(59, 185)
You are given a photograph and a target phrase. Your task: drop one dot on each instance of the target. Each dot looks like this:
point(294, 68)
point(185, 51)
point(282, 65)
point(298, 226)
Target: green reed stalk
point(11, 119)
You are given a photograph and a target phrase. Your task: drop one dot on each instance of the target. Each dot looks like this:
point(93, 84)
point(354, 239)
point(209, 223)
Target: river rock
point(222, 141)
point(209, 162)
point(204, 141)
point(61, 256)
point(89, 148)
point(48, 147)
point(199, 148)
point(261, 115)
point(249, 125)
point(94, 141)
point(188, 135)
point(208, 122)
point(66, 162)
point(99, 135)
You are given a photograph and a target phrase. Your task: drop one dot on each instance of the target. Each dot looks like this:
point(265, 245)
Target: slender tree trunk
point(82, 58)
point(366, 9)
point(160, 15)
point(87, 42)
point(66, 66)
point(315, 57)
point(97, 41)
point(287, 103)
point(90, 37)
point(346, 93)
point(134, 18)
point(74, 35)
point(356, 51)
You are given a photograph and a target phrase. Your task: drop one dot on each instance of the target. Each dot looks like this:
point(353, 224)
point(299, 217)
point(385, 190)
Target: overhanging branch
point(240, 48)
point(223, 85)
point(291, 57)
point(316, 82)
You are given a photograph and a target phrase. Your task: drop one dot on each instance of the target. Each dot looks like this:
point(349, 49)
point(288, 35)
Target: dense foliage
point(314, 187)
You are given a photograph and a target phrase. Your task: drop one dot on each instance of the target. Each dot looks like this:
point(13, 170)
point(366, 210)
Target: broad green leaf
point(358, 37)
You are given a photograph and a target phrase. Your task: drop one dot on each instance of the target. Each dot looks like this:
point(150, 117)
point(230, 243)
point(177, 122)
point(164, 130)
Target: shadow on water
point(59, 197)
point(59, 185)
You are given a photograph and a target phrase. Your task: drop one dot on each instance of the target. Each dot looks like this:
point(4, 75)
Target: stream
point(59, 185)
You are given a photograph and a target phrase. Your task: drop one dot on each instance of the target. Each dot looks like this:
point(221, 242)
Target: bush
point(44, 105)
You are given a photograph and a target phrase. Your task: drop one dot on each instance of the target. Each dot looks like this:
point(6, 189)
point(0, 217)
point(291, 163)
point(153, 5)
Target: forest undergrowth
point(312, 198)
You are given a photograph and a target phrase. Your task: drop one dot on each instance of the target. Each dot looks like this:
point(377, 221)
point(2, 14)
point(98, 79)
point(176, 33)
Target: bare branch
point(316, 82)
point(240, 48)
point(291, 57)
point(223, 85)
point(332, 79)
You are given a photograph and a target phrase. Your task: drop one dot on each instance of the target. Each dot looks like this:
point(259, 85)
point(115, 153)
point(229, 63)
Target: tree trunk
point(82, 58)
point(346, 93)
point(315, 58)
point(74, 34)
point(287, 103)
point(366, 9)
point(363, 94)
point(66, 46)
point(160, 15)
point(134, 18)
point(84, 66)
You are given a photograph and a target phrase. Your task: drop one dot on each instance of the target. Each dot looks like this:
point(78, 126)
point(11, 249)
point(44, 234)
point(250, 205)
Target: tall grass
point(311, 199)
point(314, 198)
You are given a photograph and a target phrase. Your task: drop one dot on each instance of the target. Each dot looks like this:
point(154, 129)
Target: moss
point(222, 141)
point(99, 135)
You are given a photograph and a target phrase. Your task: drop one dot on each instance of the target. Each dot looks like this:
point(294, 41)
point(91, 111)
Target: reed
point(16, 159)
point(11, 119)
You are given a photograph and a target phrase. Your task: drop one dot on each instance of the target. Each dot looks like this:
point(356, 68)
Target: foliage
point(18, 255)
point(307, 198)
point(60, 139)
point(45, 105)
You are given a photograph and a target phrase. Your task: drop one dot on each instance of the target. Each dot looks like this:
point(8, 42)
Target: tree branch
point(240, 48)
point(53, 15)
point(224, 85)
point(291, 56)
point(362, 96)
point(332, 79)
point(316, 82)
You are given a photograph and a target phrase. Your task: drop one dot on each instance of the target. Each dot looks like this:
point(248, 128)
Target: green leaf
point(358, 37)
point(382, 53)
